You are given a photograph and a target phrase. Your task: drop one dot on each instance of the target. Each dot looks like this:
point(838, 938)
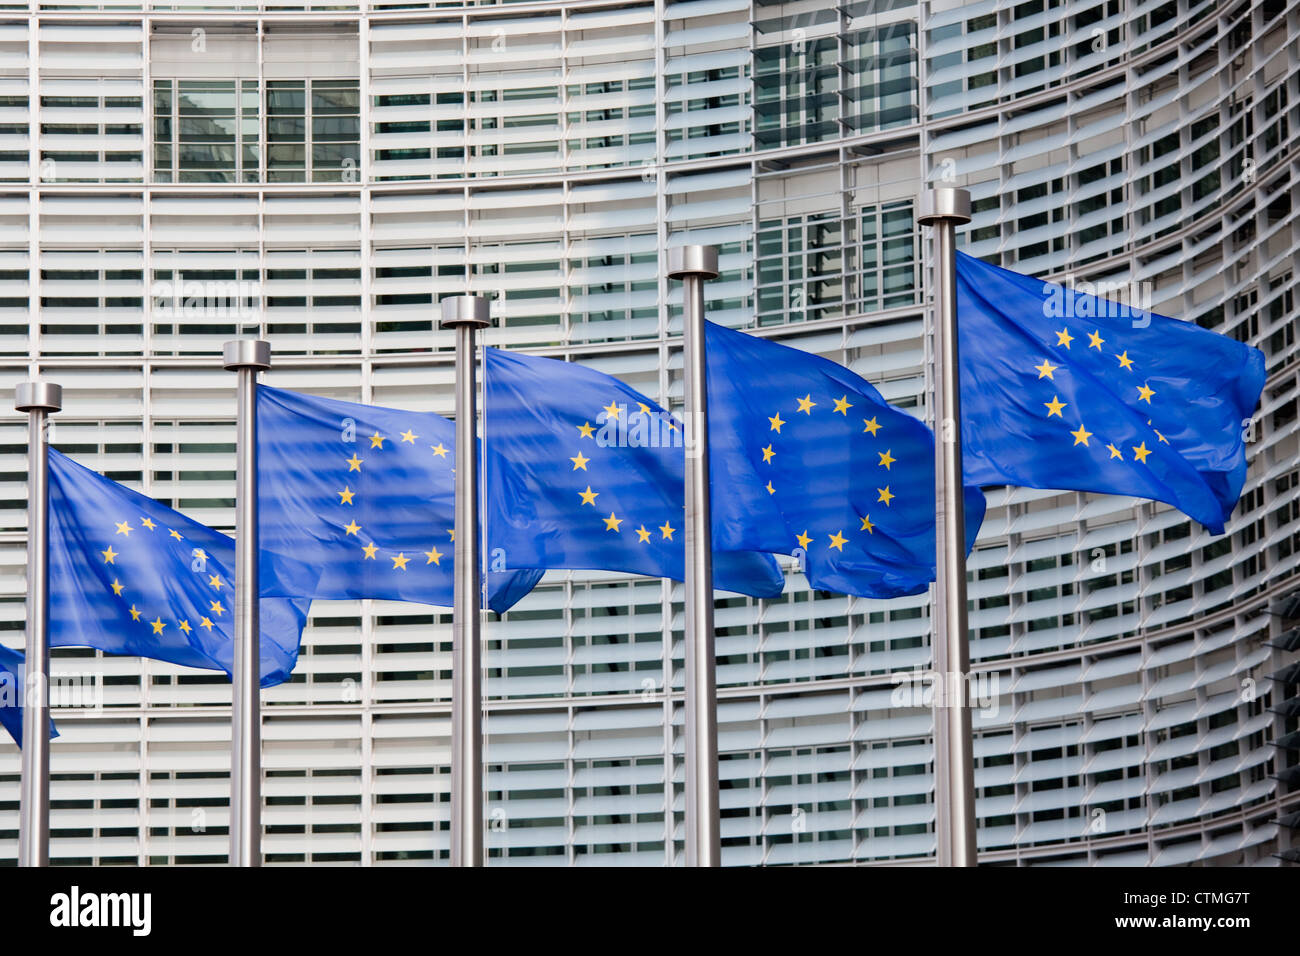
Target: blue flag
point(131, 576)
point(809, 459)
point(358, 501)
point(1063, 389)
point(589, 473)
point(12, 691)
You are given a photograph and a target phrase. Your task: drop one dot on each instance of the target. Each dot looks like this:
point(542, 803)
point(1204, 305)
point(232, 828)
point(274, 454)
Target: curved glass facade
point(321, 174)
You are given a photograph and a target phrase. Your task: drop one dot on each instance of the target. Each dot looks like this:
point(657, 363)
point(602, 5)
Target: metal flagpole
point(247, 357)
point(38, 400)
point(944, 208)
point(694, 264)
point(466, 314)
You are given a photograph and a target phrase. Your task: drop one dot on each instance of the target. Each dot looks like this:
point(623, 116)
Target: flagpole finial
point(246, 353)
point(465, 310)
point(38, 396)
point(943, 203)
point(699, 261)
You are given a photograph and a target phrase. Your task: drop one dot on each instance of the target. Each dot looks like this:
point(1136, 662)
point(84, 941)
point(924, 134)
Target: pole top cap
point(38, 396)
point(465, 310)
point(943, 203)
point(686, 261)
point(246, 353)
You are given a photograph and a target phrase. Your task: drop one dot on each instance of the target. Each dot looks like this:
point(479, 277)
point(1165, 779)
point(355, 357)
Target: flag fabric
point(588, 473)
point(131, 576)
point(358, 501)
point(809, 459)
point(12, 691)
point(1063, 389)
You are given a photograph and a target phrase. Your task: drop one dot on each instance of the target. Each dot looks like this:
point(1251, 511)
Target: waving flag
point(131, 576)
point(808, 459)
point(1063, 389)
point(358, 501)
point(588, 473)
point(12, 691)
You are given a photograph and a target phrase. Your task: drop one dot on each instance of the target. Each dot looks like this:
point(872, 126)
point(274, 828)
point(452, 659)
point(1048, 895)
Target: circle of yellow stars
point(109, 556)
point(347, 497)
point(871, 426)
point(1055, 408)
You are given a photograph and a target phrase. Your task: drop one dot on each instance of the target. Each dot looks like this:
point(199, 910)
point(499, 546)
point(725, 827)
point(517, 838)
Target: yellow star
point(216, 608)
point(1140, 452)
point(400, 562)
point(185, 626)
point(803, 539)
point(580, 461)
point(768, 454)
point(1124, 360)
point(434, 556)
point(1081, 436)
point(588, 497)
point(1145, 393)
point(806, 404)
point(158, 626)
point(124, 528)
point(838, 541)
point(885, 495)
point(612, 523)
point(777, 422)
point(872, 425)
point(409, 436)
point(645, 409)
point(354, 463)
point(148, 524)
point(867, 525)
point(117, 587)
point(770, 489)
point(1114, 452)
point(586, 431)
point(613, 410)
point(109, 554)
point(214, 580)
point(205, 622)
point(667, 530)
point(1095, 340)
point(1046, 369)
point(1054, 407)
point(351, 527)
point(376, 440)
point(451, 534)
point(346, 495)
point(642, 535)
point(1064, 337)
point(1160, 436)
point(439, 450)
point(886, 459)
point(200, 554)
point(842, 405)
point(370, 550)
point(135, 615)
point(175, 534)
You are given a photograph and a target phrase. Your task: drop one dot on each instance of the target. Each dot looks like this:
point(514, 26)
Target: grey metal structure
point(39, 400)
point(246, 357)
point(693, 265)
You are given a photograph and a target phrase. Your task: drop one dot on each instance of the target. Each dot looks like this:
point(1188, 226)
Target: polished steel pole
point(944, 208)
point(466, 314)
point(38, 400)
point(246, 357)
point(694, 264)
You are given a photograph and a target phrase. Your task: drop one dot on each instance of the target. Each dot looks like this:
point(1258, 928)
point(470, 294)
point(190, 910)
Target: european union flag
point(588, 473)
point(809, 459)
point(358, 501)
point(1061, 388)
point(131, 576)
point(12, 691)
